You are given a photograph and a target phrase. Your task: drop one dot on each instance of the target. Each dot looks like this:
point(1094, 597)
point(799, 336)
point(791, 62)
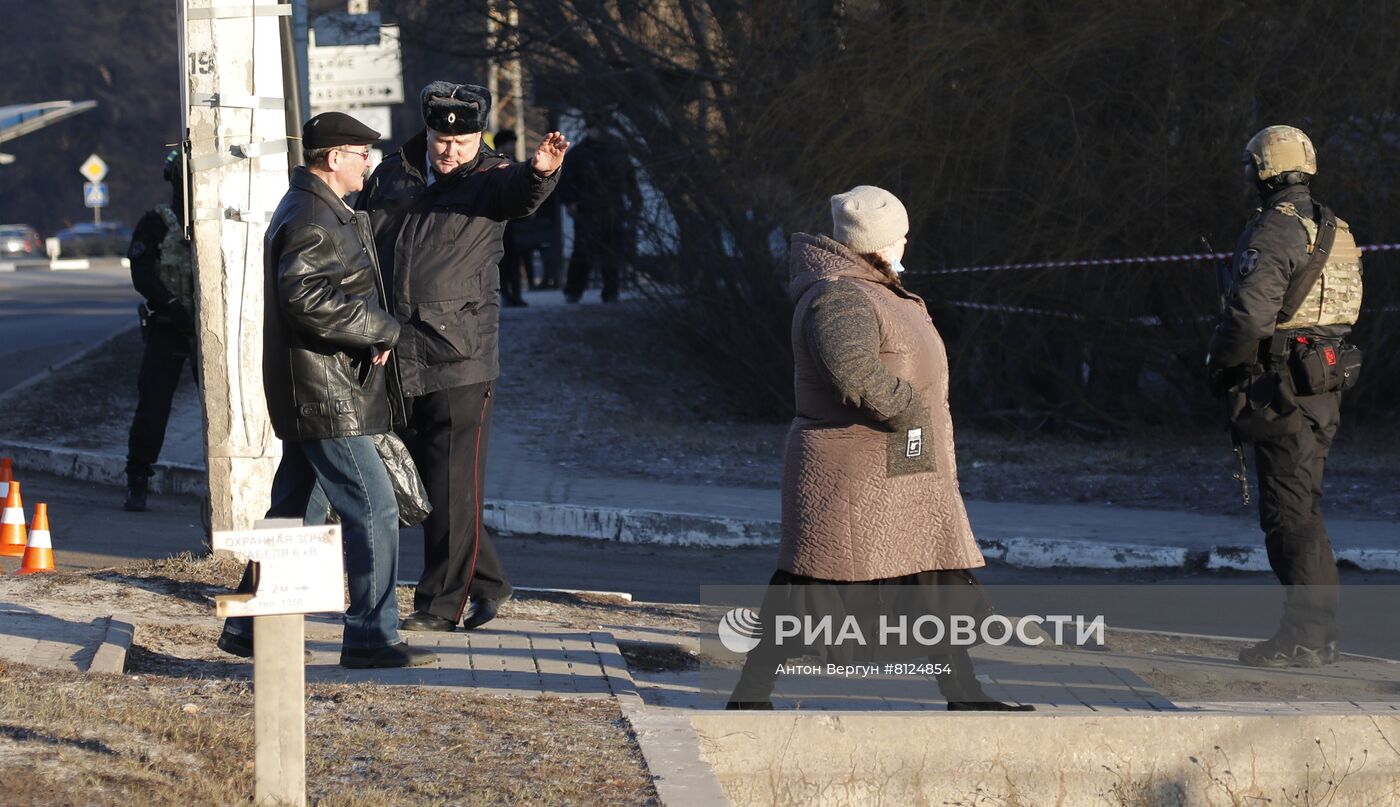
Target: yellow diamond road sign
point(94, 168)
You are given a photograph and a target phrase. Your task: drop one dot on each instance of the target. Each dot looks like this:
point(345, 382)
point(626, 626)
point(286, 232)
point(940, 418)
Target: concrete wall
point(1009, 760)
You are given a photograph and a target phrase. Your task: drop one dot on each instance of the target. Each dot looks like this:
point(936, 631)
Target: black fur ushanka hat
point(455, 109)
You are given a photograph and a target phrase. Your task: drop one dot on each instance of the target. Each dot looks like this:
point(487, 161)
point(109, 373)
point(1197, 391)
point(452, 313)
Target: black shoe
point(136, 490)
point(745, 706)
point(395, 655)
point(483, 610)
point(242, 646)
point(422, 620)
point(571, 298)
point(1277, 655)
point(988, 706)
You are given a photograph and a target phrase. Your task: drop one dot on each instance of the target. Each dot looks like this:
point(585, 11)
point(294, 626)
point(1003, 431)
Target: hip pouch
point(1263, 407)
point(1323, 365)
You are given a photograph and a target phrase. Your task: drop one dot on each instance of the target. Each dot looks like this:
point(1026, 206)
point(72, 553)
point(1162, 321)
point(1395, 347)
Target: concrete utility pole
point(236, 155)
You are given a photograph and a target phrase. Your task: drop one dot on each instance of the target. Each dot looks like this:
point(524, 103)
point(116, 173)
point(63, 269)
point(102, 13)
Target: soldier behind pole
point(1280, 355)
point(162, 270)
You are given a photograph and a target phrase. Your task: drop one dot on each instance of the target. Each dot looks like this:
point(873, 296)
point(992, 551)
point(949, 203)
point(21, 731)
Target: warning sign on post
point(299, 571)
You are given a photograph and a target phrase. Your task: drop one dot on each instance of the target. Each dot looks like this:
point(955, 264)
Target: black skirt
point(890, 619)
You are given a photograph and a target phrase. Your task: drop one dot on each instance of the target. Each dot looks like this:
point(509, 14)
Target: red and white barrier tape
point(1142, 259)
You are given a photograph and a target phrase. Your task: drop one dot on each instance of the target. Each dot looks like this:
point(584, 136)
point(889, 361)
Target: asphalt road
point(48, 316)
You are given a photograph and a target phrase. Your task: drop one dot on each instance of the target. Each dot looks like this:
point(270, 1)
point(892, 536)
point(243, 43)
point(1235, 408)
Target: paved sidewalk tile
point(504, 659)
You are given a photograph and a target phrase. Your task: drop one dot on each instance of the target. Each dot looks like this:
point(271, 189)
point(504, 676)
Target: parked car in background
point(20, 241)
point(91, 240)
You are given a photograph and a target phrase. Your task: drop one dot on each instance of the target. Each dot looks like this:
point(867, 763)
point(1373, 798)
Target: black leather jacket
point(324, 307)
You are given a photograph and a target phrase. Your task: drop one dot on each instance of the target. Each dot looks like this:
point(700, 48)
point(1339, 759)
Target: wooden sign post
point(297, 570)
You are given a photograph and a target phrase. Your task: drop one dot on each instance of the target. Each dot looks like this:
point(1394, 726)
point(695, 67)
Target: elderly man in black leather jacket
point(327, 374)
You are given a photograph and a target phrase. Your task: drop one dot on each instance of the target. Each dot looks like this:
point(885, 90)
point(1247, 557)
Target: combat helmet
point(1279, 150)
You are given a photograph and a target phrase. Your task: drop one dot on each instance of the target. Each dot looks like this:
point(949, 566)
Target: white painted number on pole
point(94, 168)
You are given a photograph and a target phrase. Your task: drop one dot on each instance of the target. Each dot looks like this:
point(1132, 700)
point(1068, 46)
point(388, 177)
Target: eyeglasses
point(363, 155)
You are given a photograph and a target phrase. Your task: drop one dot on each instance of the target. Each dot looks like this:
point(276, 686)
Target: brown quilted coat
point(848, 513)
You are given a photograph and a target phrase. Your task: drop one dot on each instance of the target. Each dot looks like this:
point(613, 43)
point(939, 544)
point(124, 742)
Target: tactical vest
point(176, 267)
point(1335, 299)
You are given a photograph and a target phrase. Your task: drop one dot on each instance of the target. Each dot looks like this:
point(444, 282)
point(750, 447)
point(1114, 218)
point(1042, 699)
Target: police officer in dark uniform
point(1280, 358)
point(162, 270)
point(599, 190)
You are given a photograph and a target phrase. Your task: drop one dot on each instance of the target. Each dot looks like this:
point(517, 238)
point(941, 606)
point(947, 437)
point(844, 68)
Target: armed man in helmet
point(162, 270)
point(1280, 354)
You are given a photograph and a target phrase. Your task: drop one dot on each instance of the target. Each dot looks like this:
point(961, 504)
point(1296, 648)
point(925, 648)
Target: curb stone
point(106, 469)
point(662, 528)
point(111, 654)
point(671, 747)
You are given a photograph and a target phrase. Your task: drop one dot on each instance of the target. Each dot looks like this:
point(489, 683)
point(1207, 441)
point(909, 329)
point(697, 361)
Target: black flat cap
point(331, 129)
point(454, 109)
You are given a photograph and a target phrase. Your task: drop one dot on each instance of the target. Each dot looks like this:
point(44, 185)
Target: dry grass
point(153, 740)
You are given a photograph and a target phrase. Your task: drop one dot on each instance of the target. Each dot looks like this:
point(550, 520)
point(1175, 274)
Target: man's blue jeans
point(351, 477)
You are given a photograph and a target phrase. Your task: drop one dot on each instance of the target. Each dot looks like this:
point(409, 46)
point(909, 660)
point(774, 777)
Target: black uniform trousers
point(1290, 512)
point(167, 348)
point(448, 432)
point(597, 245)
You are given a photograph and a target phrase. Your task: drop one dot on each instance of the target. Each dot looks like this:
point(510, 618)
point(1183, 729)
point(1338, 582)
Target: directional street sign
point(95, 194)
point(94, 169)
point(356, 75)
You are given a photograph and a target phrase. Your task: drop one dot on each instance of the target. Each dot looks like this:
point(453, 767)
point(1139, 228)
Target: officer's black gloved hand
point(1224, 379)
point(179, 316)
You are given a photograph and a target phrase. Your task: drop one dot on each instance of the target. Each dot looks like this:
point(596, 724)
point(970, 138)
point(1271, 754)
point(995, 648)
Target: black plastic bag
point(408, 487)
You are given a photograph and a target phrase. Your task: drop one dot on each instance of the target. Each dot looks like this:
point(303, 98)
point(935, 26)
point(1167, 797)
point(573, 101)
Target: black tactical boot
point(136, 489)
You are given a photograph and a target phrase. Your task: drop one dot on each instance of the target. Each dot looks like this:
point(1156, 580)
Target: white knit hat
point(867, 219)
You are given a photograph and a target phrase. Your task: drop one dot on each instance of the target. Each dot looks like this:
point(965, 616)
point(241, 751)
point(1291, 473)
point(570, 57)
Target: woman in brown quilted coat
point(870, 490)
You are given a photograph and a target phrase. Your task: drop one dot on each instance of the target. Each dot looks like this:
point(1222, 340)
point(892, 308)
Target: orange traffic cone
point(12, 540)
point(7, 473)
point(38, 555)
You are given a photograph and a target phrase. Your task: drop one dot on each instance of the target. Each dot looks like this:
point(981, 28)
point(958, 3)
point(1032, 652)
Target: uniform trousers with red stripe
point(448, 432)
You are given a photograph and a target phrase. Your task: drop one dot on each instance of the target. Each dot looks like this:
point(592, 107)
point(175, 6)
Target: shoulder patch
point(1246, 263)
point(138, 248)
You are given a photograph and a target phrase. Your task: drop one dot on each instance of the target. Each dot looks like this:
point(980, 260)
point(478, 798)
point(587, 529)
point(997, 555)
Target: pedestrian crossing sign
point(95, 194)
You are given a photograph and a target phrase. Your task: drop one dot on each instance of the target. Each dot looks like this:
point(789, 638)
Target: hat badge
point(452, 117)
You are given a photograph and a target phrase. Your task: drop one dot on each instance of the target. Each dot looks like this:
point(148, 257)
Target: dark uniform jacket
point(439, 247)
point(324, 312)
point(1272, 248)
point(144, 255)
point(601, 182)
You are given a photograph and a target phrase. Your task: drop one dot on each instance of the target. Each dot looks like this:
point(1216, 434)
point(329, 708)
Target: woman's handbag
point(408, 486)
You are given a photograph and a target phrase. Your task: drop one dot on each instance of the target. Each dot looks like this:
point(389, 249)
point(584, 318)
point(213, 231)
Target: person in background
point(162, 270)
point(600, 192)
